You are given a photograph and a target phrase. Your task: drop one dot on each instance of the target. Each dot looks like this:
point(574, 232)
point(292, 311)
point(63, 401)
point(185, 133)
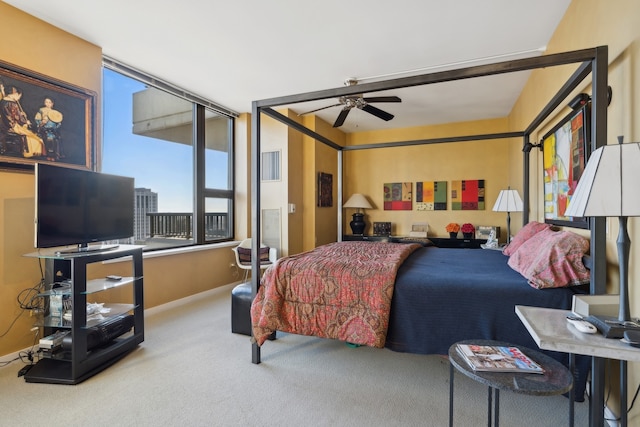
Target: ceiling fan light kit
point(360, 102)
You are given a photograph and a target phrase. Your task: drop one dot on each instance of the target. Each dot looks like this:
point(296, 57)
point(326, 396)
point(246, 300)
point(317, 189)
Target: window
point(271, 166)
point(179, 151)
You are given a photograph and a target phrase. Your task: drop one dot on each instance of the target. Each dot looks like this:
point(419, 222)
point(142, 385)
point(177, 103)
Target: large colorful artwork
point(398, 196)
point(431, 196)
point(467, 195)
point(564, 158)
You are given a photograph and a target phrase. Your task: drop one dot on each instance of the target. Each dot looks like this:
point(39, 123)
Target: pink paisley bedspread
point(340, 291)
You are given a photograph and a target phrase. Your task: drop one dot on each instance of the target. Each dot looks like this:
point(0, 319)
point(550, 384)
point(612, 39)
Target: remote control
point(114, 277)
point(582, 325)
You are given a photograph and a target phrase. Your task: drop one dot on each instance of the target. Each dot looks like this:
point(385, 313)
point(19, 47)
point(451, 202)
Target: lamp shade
point(508, 201)
point(609, 184)
point(357, 201)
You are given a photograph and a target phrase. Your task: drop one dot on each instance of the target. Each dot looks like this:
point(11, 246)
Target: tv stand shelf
point(82, 358)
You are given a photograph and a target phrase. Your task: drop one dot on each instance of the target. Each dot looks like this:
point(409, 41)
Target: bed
point(419, 299)
point(590, 62)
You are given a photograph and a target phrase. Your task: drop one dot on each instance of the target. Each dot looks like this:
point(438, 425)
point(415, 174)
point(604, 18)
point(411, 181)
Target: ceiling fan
point(349, 102)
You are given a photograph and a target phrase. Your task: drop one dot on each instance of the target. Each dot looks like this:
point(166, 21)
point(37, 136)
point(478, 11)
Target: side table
point(365, 238)
point(457, 243)
point(556, 379)
point(550, 330)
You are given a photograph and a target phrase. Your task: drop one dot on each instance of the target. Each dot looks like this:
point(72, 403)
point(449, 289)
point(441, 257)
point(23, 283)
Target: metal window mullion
point(199, 173)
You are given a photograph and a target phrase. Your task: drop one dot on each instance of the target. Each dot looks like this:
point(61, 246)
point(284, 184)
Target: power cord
point(28, 357)
point(606, 401)
point(28, 299)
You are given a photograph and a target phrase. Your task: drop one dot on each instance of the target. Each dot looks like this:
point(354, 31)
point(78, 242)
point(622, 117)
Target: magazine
point(497, 359)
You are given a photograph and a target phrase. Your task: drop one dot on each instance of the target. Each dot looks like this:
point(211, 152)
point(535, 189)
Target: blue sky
point(164, 167)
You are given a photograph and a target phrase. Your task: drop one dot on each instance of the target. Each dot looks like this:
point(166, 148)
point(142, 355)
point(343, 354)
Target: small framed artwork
point(382, 228)
point(398, 196)
point(467, 195)
point(565, 151)
point(431, 196)
point(44, 120)
point(325, 190)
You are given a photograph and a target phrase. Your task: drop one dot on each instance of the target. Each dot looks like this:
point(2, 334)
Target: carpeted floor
point(192, 371)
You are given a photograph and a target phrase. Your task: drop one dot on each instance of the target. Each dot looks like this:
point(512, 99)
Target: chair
point(268, 256)
point(241, 295)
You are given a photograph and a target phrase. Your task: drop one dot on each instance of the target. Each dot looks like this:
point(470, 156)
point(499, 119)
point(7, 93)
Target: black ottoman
point(241, 309)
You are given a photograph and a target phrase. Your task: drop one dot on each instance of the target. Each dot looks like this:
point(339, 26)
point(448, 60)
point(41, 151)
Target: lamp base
point(357, 224)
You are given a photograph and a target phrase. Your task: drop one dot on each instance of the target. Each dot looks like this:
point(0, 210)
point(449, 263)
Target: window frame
point(200, 191)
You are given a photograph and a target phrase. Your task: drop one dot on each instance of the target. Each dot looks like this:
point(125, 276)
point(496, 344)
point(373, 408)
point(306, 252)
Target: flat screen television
point(78, 207)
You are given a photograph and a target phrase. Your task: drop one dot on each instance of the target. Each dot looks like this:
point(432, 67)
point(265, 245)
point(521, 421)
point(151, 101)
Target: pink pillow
point(552, 259)
point(525, 233)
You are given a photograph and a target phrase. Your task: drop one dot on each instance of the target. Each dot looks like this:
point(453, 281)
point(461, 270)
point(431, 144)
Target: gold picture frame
point(44, 120)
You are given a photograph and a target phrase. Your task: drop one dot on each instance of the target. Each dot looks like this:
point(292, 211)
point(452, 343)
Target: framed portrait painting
point(565, 152)
point(325, 190)
point(44, 120)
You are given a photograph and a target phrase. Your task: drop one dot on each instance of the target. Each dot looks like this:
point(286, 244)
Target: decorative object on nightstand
point(419, 229)
point(484, 231)
point(492, 242)
point(453, 228)
point(608, 187)
point(359, 202)
point(468, 230)
point(508, 201)
point(382, 228)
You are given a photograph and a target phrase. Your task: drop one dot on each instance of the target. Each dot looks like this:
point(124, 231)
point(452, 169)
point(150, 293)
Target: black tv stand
point(93, 342)
point(87, 249)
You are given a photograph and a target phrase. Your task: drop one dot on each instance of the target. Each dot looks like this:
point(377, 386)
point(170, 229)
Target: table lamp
point(359, 202)
point(608, 188)
point(508, 201)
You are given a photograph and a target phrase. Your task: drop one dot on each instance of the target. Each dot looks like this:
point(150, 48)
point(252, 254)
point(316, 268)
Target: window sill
point(182, 250)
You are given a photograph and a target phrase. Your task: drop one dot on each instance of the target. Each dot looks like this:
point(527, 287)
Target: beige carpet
point(192, 371)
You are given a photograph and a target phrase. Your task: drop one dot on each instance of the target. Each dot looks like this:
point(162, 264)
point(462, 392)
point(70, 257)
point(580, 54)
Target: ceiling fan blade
point(378, 112)
point(321, 108)
point(383, 99)
point(318, 109)
point(341, 117)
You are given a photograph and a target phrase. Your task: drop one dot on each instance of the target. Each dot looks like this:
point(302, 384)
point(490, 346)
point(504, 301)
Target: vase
point(467, 235)
point(453, 235)
point(358, 224)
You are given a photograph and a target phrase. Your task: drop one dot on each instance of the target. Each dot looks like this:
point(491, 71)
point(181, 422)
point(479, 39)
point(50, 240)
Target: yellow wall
point(587, 24)
point(166, 278)
point(366, 171)
point(320, 223)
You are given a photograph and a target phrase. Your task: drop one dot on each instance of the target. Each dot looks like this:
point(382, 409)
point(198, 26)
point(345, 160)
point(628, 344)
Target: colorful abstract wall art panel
point(431, 196)
point(467, 195)
point(398, 196)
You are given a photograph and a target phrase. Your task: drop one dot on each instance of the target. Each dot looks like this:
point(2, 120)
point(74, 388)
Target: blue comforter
point(443, 296)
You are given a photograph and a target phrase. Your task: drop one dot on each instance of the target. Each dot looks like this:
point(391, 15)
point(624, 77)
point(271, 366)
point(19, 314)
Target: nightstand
point(457, 243)
point(365, 238)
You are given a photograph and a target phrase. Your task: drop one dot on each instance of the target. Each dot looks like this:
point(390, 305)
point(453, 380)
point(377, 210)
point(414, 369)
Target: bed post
point(526, 178)
point(255, 213)
point(599, 106)
point(340, 179)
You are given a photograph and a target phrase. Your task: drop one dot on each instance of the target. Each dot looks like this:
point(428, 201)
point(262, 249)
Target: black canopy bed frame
point(590, 62)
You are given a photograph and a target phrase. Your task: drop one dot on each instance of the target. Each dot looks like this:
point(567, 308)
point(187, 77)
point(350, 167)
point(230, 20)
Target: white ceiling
point(235, 52)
